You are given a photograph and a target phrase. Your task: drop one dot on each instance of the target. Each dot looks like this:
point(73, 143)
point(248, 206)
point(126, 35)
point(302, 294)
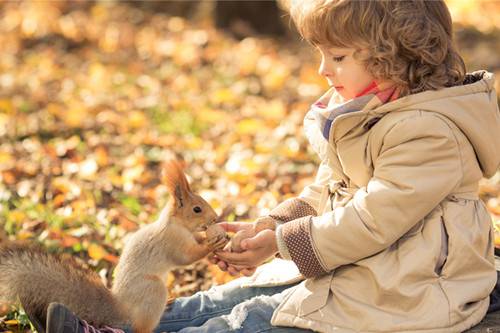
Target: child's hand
point(256, 250)
point(231, 269)
point(234, 270)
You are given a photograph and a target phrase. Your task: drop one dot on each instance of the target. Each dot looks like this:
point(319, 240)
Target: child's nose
point(324, 69)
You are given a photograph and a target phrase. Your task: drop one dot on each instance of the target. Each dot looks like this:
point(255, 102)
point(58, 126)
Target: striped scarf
point(331, 104)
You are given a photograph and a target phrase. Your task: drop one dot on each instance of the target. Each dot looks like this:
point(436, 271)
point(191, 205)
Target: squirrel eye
point(197, 209)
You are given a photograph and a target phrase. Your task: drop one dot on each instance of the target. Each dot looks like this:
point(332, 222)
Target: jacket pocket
point(443, 253)
point(316, 295)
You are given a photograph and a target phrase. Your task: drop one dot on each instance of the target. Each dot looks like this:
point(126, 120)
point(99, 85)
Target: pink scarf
point(331, 105)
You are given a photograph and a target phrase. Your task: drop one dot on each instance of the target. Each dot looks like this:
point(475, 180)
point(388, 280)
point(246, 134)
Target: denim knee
point(253, 315)
point(194, 311)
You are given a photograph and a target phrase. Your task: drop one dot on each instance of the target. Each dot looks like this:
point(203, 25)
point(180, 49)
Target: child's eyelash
point(338, 59)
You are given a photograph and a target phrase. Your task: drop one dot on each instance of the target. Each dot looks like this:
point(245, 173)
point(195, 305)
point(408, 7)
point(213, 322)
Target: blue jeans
point(227, 308)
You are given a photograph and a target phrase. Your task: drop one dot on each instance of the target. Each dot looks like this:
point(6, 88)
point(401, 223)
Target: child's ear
point(176, 182)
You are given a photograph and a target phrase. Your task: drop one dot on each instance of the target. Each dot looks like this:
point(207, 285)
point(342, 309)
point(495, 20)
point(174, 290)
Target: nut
point(215, 231)
point(235, 243)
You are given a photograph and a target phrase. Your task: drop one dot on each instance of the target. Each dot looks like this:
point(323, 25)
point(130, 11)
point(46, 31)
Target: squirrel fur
point(138, 297)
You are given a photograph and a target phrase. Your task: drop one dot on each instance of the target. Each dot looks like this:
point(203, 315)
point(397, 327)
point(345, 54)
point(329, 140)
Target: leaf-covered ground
point(94, 96)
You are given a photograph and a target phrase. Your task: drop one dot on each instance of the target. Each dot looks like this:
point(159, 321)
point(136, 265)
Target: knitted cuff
point(283, 250)
point(297, 238)
point(265, 222)
point(292, 209)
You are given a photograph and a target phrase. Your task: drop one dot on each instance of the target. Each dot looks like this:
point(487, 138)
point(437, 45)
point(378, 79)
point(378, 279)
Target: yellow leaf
point(250, 126)
point(224, 96)
point(248, 189)
point(115, 178)
point(211, 116)
point(61, 185)
point(5, 157)
point(276, 77)
point(12, 322)
point(97, 75)
point(75, 115)
point(274, 110)
point(137, 119)
point(238, 177)
point(101, 156)
point(263, 148)
point(96, 252)
point(254, 198)
point(250, 166)
point(219, 277)
point(6, 106)
point(24, 234)
point(54, 109)
point(81, 206)
point(17, 216)
point(194, 142)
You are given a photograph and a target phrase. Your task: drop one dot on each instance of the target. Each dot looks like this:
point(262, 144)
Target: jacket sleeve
point(312, 192)
point(419, 164)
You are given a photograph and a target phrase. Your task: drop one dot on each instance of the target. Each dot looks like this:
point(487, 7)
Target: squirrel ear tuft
point(176, 182)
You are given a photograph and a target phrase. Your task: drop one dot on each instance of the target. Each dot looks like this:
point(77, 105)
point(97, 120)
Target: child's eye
point(338, 59)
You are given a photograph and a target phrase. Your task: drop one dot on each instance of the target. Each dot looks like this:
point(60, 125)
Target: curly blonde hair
point(407, 42)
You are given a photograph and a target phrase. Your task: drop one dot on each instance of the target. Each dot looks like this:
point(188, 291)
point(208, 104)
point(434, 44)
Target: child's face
point(342, 71)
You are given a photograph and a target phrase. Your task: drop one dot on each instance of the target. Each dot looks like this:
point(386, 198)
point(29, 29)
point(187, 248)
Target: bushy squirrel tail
point(35, 279)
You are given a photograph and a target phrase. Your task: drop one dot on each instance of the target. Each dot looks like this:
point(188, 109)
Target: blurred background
point(94, 95)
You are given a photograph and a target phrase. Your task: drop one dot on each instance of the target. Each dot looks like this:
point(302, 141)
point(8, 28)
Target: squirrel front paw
point(216, 237)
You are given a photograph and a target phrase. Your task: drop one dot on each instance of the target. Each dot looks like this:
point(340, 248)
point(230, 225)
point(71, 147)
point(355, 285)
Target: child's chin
point(345, 96)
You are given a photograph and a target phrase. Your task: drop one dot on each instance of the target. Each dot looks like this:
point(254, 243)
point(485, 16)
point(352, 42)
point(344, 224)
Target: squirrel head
point(186, 207)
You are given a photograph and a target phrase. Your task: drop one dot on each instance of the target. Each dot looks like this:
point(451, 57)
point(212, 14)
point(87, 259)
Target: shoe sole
point(55, 318)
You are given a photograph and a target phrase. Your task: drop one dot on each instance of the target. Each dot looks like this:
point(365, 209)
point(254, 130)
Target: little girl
point(391, 236)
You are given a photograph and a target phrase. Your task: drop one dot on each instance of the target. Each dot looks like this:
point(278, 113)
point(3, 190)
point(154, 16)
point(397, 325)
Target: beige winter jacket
point(401, 242)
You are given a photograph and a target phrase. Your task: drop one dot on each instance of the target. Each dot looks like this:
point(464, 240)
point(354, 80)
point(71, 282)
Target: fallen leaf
point(96, 252)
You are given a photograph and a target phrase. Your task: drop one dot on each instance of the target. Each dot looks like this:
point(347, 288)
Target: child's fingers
point(255, 242)
point(234, 226)
point(233, 271)
point(216, 261)
point(212, 258)
point(249, 244)
point(239, 268)
point(222, 265)
point(233, 257)
point(248, 271)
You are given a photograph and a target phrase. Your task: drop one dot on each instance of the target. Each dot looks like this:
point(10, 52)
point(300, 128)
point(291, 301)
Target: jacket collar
point(358, 122)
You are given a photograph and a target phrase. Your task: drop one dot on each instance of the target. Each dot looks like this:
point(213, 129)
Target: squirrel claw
point(217, 242)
